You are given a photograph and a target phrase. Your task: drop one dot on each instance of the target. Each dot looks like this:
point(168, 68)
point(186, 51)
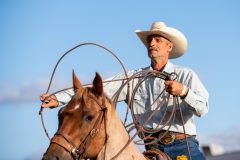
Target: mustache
point(152, 48)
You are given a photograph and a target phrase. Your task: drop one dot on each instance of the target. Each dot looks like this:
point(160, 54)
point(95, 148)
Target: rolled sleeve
point(112, 88)
point(64, 97)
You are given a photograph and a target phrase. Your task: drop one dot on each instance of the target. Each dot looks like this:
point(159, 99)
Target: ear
point(97, 85)
point(170, 44)
point(76, 83)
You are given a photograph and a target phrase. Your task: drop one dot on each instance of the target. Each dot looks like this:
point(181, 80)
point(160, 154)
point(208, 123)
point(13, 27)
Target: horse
point(90, 128)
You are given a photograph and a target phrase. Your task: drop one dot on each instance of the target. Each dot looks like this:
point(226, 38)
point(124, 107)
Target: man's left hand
point(173, 87)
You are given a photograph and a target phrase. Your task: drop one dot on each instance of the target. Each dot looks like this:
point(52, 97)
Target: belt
point(168, 137)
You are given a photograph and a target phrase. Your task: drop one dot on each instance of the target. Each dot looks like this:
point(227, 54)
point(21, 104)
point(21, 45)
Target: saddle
point(155, 154)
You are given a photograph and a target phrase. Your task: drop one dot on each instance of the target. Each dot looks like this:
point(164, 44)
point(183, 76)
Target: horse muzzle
point(56, 152)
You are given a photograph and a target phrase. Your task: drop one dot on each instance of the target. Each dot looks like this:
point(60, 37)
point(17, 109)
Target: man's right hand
point(48, 101)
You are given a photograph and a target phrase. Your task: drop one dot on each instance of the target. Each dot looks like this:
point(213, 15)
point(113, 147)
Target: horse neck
point(117, 139)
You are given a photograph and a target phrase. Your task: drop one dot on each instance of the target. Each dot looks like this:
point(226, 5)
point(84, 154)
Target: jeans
point(179, 147)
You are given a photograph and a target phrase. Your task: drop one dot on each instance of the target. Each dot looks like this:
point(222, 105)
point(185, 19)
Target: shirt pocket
point(140, 101)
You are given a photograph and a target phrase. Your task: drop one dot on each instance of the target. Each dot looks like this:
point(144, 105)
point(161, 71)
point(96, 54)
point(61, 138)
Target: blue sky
point(34, 34)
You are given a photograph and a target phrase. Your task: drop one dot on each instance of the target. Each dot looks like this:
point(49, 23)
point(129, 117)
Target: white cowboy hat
point(179, 41)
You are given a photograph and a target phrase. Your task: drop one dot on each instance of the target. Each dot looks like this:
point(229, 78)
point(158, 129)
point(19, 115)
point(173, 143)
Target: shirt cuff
point(190, 98)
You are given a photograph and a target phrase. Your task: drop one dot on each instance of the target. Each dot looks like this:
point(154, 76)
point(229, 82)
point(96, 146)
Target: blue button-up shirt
point(195, 103)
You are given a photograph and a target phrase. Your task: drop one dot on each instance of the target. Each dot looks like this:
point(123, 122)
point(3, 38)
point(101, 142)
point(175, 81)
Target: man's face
point(158, 47)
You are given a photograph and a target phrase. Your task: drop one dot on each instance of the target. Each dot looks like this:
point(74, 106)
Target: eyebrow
point(156, 36)
point(153, 36)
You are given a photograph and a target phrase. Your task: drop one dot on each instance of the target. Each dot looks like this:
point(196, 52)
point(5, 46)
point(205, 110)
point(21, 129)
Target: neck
point(117, 139)
point(158, 65)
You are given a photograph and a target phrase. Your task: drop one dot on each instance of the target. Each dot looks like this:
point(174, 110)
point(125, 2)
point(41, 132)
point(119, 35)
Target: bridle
point(79, 152)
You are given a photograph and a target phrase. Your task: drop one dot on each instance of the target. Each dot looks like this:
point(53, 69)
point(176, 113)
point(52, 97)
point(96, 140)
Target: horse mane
point(90, 90)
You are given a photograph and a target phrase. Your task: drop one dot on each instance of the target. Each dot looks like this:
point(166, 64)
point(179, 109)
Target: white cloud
point(27, 93)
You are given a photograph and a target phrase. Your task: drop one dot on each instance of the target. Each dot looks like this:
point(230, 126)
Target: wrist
point(184, 92)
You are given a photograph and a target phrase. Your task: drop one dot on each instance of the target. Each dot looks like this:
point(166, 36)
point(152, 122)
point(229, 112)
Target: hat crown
point(158, 25)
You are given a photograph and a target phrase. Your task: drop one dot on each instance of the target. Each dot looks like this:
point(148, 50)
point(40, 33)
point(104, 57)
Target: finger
point(169, 83)
point(43, 96)
point(43, 99)
point(168, 89)
point(45, 105)
point(166, 82)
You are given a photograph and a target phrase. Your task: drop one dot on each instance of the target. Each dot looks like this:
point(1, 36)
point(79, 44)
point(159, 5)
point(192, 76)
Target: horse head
point(82, 124)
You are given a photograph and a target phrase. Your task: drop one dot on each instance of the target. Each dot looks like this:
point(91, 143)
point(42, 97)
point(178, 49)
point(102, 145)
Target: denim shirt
point(195, 103)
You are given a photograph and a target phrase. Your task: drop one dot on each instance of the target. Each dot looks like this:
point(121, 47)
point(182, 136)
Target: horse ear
point(97, 85)
point(76, 83)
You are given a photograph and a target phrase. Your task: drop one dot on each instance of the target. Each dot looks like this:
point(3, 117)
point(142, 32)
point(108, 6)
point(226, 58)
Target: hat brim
point(179, 41)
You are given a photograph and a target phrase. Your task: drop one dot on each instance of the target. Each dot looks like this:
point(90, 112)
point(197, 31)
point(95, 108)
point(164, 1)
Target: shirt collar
point(167, 68)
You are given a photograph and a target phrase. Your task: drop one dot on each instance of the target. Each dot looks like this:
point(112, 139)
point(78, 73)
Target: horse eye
point(88, 118)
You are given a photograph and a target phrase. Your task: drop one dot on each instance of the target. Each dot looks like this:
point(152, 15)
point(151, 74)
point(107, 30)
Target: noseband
point(79, 152)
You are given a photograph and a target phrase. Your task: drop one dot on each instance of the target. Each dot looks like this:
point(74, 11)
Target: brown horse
point(89, 127)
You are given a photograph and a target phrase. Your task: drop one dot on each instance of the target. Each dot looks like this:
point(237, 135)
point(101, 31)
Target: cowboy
point(178, 138)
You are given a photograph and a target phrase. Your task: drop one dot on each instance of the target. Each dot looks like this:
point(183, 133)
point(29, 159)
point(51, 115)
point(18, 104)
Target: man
point(162, 43)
